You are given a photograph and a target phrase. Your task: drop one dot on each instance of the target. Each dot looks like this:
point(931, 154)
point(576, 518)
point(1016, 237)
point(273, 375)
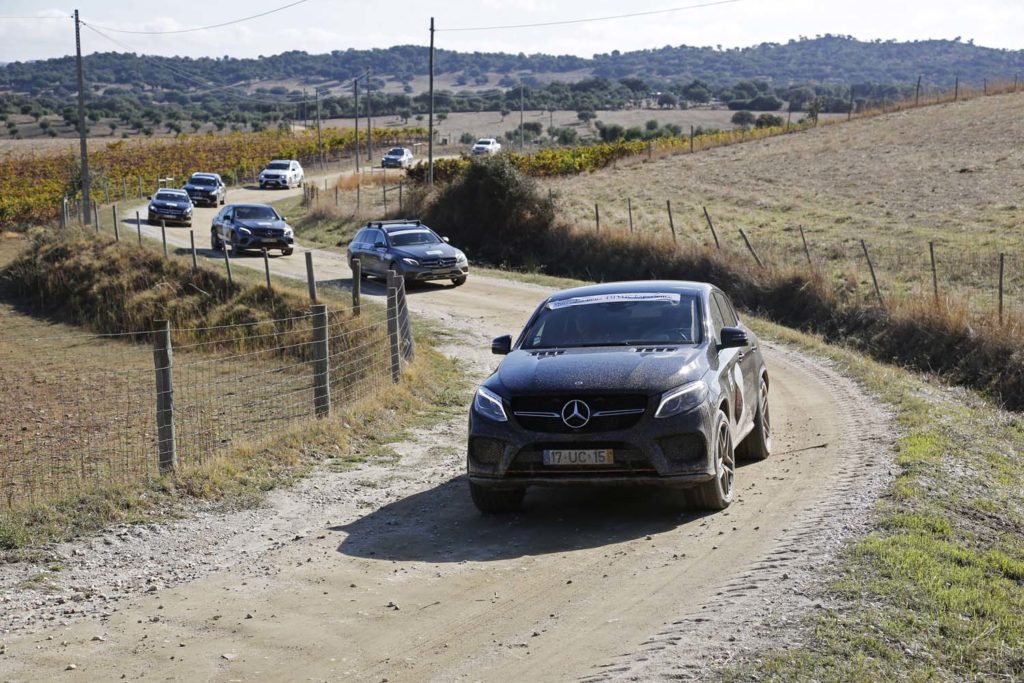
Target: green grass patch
point(935, 591)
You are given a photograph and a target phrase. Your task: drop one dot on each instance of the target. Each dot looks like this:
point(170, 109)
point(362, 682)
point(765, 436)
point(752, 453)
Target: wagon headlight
point(682, 399)
point(488, 404)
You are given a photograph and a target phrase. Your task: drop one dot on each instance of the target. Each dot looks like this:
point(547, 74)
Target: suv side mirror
point(446, 239)
point(733, 337)
point(501, 346)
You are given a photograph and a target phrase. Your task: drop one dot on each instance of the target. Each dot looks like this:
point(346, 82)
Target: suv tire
point(717, 494)
point(758, 444)
point(216, 243)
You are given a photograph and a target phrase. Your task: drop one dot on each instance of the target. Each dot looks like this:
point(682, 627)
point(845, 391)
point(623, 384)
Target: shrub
point(493, 211)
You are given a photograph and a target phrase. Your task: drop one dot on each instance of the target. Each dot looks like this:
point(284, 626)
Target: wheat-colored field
point(952, 174)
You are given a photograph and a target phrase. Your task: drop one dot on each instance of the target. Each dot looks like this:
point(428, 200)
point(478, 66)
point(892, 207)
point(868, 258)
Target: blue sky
point(325, 25)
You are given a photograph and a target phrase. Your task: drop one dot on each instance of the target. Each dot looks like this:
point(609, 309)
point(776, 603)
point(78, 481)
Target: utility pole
point(303, 108)
point(430, 115)
point(522, 107)
point(86, 203)
point(369, 123)
point(355, 117)
point(319, 149)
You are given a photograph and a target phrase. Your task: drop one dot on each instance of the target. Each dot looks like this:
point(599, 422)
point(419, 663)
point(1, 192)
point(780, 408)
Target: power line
point(204, 28)
point(28, 18)
point(584, 21)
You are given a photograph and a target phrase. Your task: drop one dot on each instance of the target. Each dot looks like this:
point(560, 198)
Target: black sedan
point(251, 226)
point(630, 383)
point(170, 206)
point(409, 248)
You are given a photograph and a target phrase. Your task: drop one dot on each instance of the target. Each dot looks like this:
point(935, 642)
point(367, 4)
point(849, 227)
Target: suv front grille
point(445, 262)
point(607, 413)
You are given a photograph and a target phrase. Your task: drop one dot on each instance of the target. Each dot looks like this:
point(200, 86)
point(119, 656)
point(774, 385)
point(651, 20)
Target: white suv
point(486, 146)
point(282, 173)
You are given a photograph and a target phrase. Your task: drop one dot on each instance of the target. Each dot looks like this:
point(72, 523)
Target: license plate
point(442, 271)
point(578, 456)
point(270, 239)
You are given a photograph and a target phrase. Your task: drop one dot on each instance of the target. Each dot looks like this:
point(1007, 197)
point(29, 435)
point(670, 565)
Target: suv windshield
point(396, 152)
point(203, 181)
point(255, 213)
point(278, 166)
point(405, 239)
point(170, 197)
point(616, 320)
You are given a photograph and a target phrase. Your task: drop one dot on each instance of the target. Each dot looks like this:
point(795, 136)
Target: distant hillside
point(131, 94)
point(826, 59)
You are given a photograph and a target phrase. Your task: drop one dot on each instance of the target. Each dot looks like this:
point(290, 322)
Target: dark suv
point(251, 226)
point(409, 248)
point(206, 189)
point(629, 383)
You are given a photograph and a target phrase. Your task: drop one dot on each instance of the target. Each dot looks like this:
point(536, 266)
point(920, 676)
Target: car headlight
point(682, 399)
point(244, 231)
point(410, 262)
point(460, 259)
point(488, 404)
point(288, 232)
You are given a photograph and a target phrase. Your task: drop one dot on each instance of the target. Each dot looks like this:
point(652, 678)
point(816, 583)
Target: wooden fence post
point(874, 280)
point(751, 248)
point(163, 234)
point(266, 267)
point(321, 366)
point(96, 216)
point(357, 287)
point(691, 138)
point(671, 223)
point(629, 207)
point(138, 226)
point(310, 277)
point(935, 274)
point(1002, 258)
point(192, 241)
point(807, 251)
point(163, 365)
point(227, 264)
point(117, 230)
point(711, 225)
point(396, 358)
point(597, 217)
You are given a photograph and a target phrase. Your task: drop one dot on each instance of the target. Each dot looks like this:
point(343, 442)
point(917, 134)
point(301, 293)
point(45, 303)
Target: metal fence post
point(163, 234)
point(192, 241)
point(671, 223)
point(163, 364)
point(310, 277)
point(138, 226)
point(711, 225)
point(357, 287)
point(871, 268)
point(321, 368)
point(117, 231)
point(393, 339)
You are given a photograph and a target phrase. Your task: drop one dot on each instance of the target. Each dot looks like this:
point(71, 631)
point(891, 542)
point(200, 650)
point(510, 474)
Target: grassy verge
point(432, 388)
point(936, 591)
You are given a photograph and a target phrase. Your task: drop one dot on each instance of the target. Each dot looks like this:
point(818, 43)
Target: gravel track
point(387, 572)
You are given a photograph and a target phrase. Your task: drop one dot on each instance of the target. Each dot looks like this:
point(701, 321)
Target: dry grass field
point(952, 174)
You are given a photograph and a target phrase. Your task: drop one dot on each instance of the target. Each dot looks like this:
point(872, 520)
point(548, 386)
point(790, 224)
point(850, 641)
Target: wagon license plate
point(579, 456)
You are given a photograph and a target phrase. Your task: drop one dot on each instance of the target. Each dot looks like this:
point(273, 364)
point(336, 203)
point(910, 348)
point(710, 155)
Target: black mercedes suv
point(630, 383)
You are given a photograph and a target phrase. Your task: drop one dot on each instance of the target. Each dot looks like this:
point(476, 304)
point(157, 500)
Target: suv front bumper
point(670, 452)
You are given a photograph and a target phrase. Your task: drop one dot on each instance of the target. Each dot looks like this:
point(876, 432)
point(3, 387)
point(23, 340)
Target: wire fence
point(88, 410)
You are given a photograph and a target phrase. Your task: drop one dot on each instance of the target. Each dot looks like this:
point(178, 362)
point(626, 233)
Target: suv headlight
point(460, 259)
point(682, 399)
point(488, 404)
point(244, 231)
point(410, 262)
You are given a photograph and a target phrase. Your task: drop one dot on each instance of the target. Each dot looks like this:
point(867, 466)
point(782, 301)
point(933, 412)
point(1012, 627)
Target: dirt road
point(389, 573)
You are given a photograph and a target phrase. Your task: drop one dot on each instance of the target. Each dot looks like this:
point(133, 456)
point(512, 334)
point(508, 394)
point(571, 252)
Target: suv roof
point(171, 190)
point(390, 226)
point(214, 176)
